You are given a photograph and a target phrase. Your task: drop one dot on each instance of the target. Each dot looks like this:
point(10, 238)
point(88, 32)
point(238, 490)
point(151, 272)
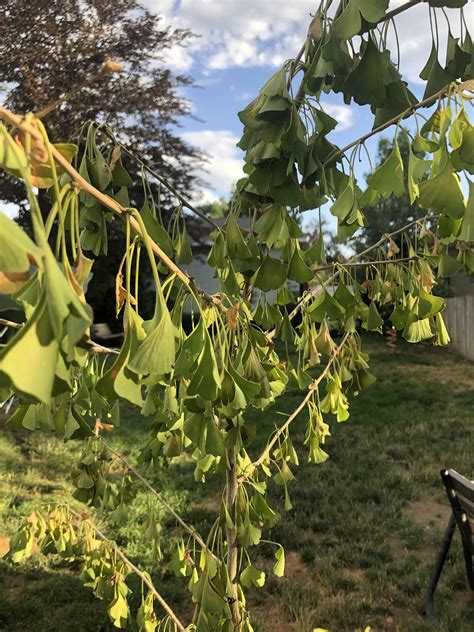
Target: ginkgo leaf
point(467, 227)
point(279, 566)
point(271, 275)
point(67, 312)
point(298, 270)
point(16, 247)
point(119, 380)
point(366, 82)
point(346, 202)
point(417, 168)
point(388, 179)
point(28, 362)
point(12, 156)
point(349, 23)
point(250, 576)
point(443, 193)
point(374, 320)
point(206, 380)
point(436, 76)
point(156, 354)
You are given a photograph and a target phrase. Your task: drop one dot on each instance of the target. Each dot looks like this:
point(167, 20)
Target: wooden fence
point(459, 318)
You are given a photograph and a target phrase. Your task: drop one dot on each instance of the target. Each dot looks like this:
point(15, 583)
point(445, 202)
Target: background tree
point(53, 48)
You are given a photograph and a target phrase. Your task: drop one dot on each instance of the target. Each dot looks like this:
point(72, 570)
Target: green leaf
point(12, 157)
point(279, 566)
point(467, 227)
point(214, 439)
point(366, 82)
point(206, 380)
point(120, 176)
point(345, 208)
point(443, 193)
point(156, 231)
point(316, 254)
point(298, 270)
point(349, 23)
point(119, 380)
point(236, 246)
point(15, 247)
point(156, 354)
point(250, 576)
point(271, 275)
point(448, 266)
point(417, 330)
point(67, 312)
point(429, 305)
point(417, 168)
point(388, 180)
point(436, 76)
point(28, 362)
point(374, 320)
point(276, 85)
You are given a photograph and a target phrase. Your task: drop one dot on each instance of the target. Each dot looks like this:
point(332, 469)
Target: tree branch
point(105, 200)
point(192, 532)
point(389, 123)
point(312, 293)
point(295, 413)
point(133, 568)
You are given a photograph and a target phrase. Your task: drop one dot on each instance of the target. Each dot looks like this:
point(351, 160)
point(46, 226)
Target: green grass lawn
point(361, 538)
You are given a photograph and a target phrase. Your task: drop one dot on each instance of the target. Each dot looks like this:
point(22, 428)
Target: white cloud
point(252, 33)
point(342, 113)
point(224, 167)
point(237, 32)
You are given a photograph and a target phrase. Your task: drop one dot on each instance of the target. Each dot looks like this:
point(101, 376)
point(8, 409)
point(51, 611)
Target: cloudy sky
point(241, 43)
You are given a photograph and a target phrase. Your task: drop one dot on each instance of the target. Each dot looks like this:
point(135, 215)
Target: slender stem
point(10, 323)
point(191, 530)
point(143, 576)
point(231, 535)
point(164, 181)
point(357, 264)
point(314, 384)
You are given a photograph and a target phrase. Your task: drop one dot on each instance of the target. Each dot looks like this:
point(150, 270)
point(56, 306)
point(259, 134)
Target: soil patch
point(429, 513)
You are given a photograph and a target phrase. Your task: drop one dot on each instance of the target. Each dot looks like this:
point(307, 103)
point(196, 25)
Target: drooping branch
point(143, 576)
point(311, 388)
point(105, 200)
point(386, 237)
point(189, 529)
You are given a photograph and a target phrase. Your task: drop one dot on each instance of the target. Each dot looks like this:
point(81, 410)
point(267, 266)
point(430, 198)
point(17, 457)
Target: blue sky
point(241, 43)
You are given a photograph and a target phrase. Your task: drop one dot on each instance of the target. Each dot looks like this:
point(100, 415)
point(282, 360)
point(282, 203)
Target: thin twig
point(394, 120)
point(314, 384)
point(10, 323)
point(134, 568)
point(357, 264)
point(164, 181)
point(192, 532)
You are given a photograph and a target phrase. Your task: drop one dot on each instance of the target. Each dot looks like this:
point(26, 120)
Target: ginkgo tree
point(253, 340)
